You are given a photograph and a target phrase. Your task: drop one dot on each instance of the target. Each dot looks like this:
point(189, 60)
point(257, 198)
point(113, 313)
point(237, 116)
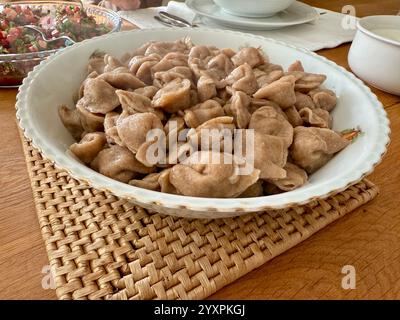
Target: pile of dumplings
point(198, 87)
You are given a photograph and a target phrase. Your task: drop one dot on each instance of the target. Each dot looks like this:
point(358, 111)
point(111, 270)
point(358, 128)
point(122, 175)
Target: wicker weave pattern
point(102, 247)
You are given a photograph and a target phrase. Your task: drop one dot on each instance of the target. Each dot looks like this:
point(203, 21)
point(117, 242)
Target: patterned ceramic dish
point(15, 67)
point(55, 80)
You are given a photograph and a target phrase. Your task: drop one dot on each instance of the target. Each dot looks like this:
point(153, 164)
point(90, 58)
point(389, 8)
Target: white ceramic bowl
point(375, 54)
point(55, 80)
point(253, 8)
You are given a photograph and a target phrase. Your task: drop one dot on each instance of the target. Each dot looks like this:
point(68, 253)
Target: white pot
point(253, 8)
point(375, 52)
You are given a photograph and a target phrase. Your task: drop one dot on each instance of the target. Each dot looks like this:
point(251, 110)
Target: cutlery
point(35, 28)
point(176, 19)
point(166, 22)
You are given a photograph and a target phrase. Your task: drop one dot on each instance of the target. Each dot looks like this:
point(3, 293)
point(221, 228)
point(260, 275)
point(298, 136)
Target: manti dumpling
point(118, 163)
point(313, 147)
point(202, 178)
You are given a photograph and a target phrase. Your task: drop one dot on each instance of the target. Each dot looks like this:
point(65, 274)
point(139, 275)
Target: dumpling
point(293, 116)
point(133, 129)
point(198, 176)
point(255, 190)
point(96, 63)
point(303, 101)
point(72, 121)
point(110, 128)
point(122, 80)
point(89, 146)
point(90, 121)
point(295, 178)
point(324, 99)
point(239, 109)
point(268, 121)
point(220, 66)
point(134, 102)
point(163, 77)
point(266, 77)
point(316, 117)
point(206, 88)
point(250, 55)
point(99, 96)
point(148, 91)
point(270, 156)
point(280, 91)
point(305, 82)
point(141, 67)
point(118, 163)
point(169, 61)
point(202, 112)
point(296, 66)
point(243, 79)
point(111, 63)
point(174, 96)
point(313, 147)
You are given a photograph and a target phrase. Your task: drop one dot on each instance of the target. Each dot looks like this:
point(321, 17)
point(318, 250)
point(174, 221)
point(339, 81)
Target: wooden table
point(368, 238)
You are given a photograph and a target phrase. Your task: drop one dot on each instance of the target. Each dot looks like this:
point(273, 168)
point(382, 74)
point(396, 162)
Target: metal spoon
point(35, 28)
point(166, 22)
point(176, 19)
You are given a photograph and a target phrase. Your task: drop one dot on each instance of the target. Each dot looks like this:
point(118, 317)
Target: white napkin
point(325, 32)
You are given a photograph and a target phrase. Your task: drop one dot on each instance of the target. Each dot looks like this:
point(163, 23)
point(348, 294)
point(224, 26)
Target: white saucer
point(297, 13)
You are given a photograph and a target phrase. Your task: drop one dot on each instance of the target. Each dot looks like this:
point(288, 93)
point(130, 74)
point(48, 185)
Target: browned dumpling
point(148, 91)
point(296, 66)
point(204, 179)
point(270, 156)
point(89, 146)
point(99, 96)
point(313, 147)
point(202, 112)
point(118, 163)
point(91, 75)
point(268, 121)
point(294, 117)
point(266, 77)
point(220, 65)
point(239, 109)
point(305, 82)
point(171, 60)
point(250, 55)
point(90, 121)
point(133, 129)
point(316, 117)
point(141, 66)
point(72, 121)
point(206, 88)
point(134, 102)
point(110, 128)
point(295, 178)
point(243, 79)
point(303, 101)
point(280, 91)
point(111, 63)
point(255, 190)
point(324, 99)
point(174, 96)
point(163, 77)
point(96, 63)
point(122, 80)
point(163, 48)
point(149, 182)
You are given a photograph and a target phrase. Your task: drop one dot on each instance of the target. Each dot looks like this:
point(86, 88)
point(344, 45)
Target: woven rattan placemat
point(100, 246)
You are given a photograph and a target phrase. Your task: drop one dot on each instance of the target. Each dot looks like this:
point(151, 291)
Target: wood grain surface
point(368, 238)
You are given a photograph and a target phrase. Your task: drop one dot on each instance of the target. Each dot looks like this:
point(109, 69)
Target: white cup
point(375, 52)
point(253, 8)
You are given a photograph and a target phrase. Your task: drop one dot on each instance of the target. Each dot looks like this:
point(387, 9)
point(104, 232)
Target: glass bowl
point(15, 67)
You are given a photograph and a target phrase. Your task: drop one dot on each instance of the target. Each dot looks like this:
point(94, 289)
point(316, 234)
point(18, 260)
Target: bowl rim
point(372, 34)
point(239, 205)
point(7, 57)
